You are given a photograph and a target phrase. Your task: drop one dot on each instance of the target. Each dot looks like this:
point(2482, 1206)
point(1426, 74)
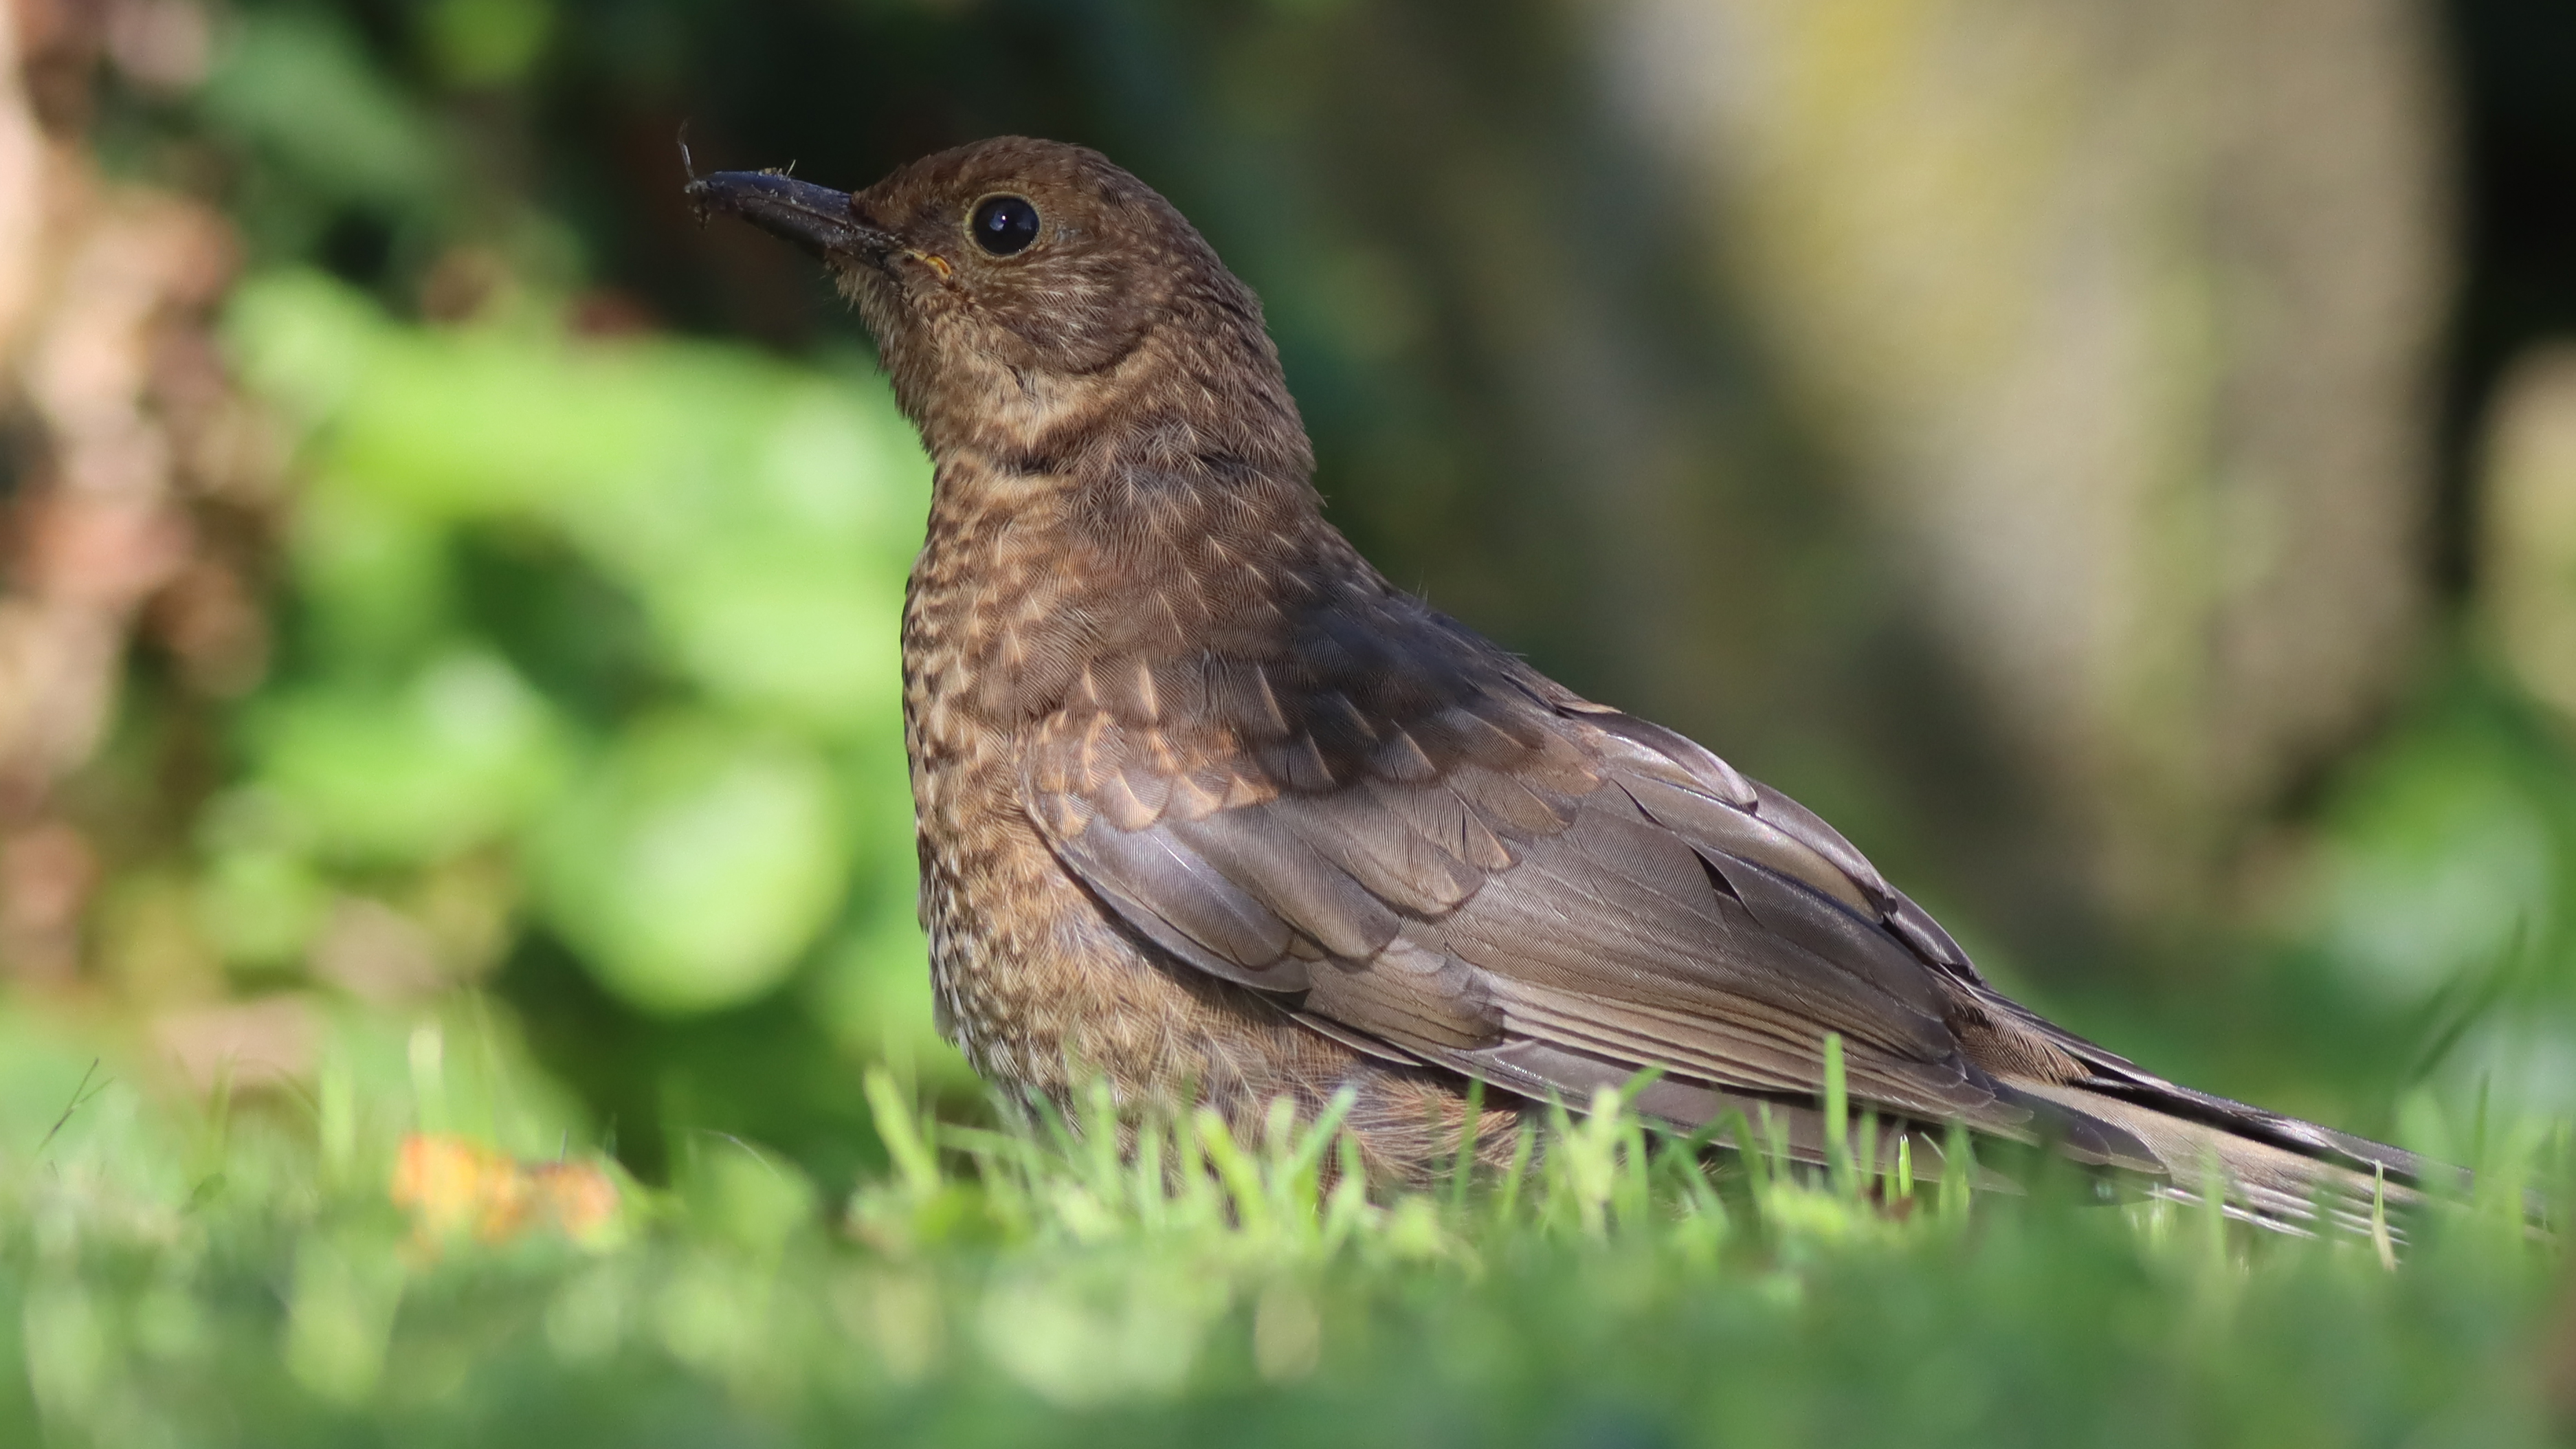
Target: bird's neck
point(1030, 576)
point(1201, 383)
point(1160, 503)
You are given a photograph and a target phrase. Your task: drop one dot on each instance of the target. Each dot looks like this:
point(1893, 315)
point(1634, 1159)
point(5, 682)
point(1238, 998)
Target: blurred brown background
point(2114, 460)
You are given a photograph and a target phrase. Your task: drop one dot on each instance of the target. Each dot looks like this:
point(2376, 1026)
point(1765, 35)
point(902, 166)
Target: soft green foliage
point(2448, 868)
point(617, 615)
point(237, 1277)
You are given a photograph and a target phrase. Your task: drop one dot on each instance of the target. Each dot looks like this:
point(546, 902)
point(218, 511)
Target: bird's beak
point(817, 218)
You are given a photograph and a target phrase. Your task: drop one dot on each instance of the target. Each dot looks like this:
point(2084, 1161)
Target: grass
point(241, 1274)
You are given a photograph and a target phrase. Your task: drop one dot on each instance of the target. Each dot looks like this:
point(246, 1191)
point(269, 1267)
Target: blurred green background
point(2110, 459)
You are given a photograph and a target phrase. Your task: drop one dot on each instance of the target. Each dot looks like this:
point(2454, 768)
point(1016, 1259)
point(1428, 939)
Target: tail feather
point(2265, 1168)
point(2274, 1170)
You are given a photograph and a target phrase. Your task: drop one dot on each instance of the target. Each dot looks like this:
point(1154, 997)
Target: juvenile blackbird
point(1210, 808)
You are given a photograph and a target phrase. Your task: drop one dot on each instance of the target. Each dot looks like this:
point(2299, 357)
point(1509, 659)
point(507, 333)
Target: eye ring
point(1004, 224)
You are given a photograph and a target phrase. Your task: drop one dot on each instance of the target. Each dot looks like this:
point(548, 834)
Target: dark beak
point(816, 218)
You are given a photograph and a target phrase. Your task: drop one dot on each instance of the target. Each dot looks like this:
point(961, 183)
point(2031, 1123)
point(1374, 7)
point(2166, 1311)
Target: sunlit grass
point(241, 1274)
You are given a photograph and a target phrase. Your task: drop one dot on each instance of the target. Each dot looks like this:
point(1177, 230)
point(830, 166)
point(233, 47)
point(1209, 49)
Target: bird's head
point(1032, 300)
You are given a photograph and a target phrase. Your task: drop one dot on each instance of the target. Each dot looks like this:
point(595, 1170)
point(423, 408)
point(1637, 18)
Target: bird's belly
point(1040, 990)
point(1044, 993)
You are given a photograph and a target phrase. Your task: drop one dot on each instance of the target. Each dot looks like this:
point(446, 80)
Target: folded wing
point(1428, 851)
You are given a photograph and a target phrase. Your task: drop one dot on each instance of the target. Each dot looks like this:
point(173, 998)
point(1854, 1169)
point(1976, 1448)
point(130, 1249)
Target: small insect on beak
point(816, 218)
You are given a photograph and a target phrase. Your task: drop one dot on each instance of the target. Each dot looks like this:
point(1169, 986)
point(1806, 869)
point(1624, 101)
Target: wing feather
point(1399, 836)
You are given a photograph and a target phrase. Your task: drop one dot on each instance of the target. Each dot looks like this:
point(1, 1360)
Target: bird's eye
point(1004, 224)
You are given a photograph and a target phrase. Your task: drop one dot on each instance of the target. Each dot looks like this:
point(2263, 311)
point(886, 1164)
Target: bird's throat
point(1169, 557)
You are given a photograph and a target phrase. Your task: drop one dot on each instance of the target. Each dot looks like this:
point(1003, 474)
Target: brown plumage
point(1208, 807)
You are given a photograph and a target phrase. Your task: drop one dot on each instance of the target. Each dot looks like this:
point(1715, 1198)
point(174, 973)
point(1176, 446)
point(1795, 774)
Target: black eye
point(1004, 224)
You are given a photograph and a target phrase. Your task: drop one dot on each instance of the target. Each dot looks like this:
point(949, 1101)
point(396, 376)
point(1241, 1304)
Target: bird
point(1210, 811)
